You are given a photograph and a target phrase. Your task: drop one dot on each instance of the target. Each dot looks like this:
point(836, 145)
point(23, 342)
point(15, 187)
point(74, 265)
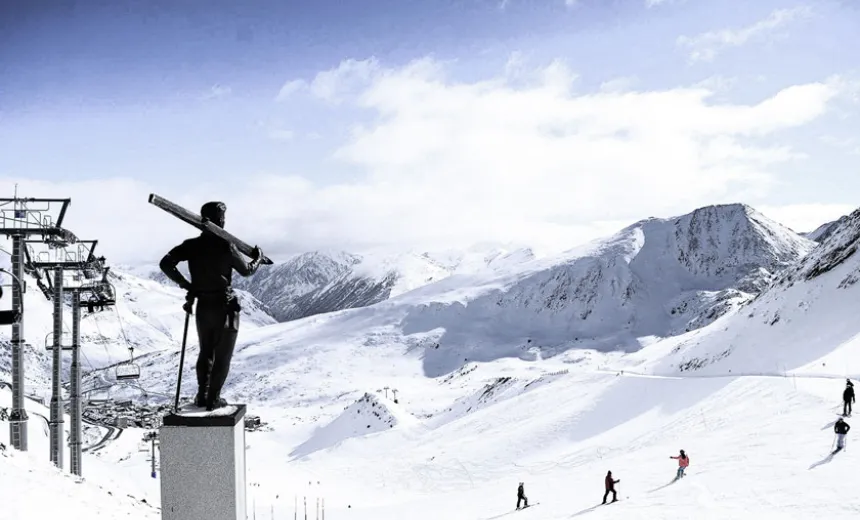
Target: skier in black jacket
point(211, 261)
point(841, 429)
point(610, 487)
point(847, 398)
point(521, 497)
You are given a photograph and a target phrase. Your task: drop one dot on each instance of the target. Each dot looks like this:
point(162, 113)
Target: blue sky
point(427, 123)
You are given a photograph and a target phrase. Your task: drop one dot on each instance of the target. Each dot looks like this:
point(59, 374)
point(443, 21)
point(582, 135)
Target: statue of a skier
point(211, 261)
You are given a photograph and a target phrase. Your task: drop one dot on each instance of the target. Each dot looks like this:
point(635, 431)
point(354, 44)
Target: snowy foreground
point(34, 489)
point(751, 397)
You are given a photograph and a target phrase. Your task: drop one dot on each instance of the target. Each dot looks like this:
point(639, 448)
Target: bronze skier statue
point(211, 262)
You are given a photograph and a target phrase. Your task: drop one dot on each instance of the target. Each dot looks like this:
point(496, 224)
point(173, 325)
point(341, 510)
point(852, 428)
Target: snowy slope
point(559, 423)
point(658, 277)
point(368, 415)
point(320, 282)
point(148, 317)
point(280, 284)
point(824, 231)
point(33, 488)
point(806, 316)
point(326, 281)
point(652, 279)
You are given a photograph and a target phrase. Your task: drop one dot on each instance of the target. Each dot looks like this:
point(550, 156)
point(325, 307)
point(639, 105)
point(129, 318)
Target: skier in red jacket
point(610, 486)
point(683, 462)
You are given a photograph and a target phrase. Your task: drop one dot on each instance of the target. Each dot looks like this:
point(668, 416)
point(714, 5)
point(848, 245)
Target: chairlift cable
point(134, 369)
point(104, 340)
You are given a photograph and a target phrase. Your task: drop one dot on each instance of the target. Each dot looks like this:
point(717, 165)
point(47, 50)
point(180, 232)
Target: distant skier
point(521, 497)
point(847, 398)
point(610, 486)
point(841, 428)
point(683, 462)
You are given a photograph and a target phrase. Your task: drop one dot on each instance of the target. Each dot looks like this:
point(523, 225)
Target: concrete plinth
point(203, 464)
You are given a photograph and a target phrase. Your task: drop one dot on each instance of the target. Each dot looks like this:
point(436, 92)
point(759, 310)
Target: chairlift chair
point(9, 317)
point(128, 370)
point(100, 297)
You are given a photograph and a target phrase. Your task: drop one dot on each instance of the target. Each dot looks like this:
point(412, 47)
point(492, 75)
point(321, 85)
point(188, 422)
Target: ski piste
point(512, 512)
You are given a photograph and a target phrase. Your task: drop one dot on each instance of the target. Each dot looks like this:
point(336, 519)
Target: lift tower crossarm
point(75, 264)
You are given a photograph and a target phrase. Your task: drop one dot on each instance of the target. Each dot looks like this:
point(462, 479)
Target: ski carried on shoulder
point(203, 225)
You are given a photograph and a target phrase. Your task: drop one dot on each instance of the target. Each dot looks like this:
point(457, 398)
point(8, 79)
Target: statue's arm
point(241, 266)
point(171, 260)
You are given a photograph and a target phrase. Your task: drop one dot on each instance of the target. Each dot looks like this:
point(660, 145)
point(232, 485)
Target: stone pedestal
point(203, 464)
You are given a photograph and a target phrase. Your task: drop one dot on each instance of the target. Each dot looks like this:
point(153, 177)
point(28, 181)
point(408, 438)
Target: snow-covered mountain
point(824, 231)
point(658, 277)
point(278, 286)
point(805, 314)
point(653, 279)
point(318, 282)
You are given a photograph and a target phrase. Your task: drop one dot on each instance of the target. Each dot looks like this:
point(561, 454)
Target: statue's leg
point(223, 355)
point(208, 331)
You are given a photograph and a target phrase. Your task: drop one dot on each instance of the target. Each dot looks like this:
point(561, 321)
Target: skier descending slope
point(610, 486)
point(847, 398)
point(683, 462)
point(841, 428)
point(521, 497)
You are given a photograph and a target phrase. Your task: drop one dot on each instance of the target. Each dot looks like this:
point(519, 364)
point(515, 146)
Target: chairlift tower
point(26, 218)
point(80, 261)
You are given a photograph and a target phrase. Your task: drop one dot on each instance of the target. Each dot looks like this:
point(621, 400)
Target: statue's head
point(214, 211)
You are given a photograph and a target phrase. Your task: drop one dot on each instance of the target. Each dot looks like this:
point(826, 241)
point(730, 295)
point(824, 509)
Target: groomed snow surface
point(752, 398)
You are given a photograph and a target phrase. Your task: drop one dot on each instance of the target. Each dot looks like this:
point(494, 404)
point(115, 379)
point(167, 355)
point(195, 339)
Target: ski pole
point(181, 360)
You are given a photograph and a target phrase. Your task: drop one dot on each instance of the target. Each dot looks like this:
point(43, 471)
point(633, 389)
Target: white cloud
point(706, 46)
point(217, 91)
point(291, 87)
point(851, 145)
point(333, 85)
point(282, 135)
point(717, 83)
point(803, 218)
point(451, 163)
point(618, 84)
